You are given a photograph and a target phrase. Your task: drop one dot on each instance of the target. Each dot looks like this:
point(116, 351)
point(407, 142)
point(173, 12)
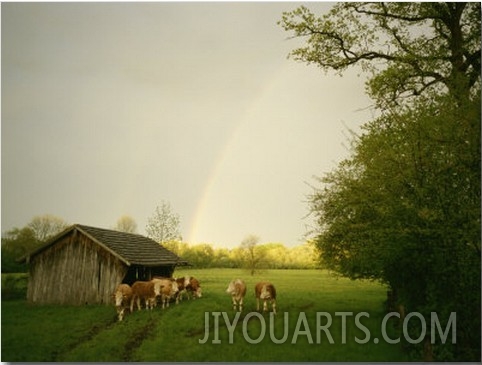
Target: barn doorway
point(143, 273)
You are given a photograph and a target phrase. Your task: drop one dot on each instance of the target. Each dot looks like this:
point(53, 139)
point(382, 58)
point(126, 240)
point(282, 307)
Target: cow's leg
point(121, 314)
point(265, 305)
point(234, 302)
point(139, 303)
point(132, 304)
point(257, 304)
point(273, 305)
point(241, 304)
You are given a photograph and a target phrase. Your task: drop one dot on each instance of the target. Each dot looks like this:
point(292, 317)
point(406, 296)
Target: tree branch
point(386, 14)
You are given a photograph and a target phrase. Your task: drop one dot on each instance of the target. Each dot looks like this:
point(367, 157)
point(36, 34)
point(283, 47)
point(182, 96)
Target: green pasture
point(91, 333)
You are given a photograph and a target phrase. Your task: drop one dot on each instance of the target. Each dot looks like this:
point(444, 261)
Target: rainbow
point(226, 152)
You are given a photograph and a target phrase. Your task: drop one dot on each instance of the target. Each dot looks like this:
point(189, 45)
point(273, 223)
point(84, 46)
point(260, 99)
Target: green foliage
point(200, 255)
point(404, 208)
point(268, 256)
point(409, 48)
point(15, 244)
point(14, 286)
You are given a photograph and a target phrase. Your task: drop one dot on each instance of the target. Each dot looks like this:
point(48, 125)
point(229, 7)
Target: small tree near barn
point(126, 224)
point(46, 226)
point(163, 225)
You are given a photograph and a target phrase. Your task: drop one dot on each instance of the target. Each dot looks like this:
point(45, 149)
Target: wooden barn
point(83, 265)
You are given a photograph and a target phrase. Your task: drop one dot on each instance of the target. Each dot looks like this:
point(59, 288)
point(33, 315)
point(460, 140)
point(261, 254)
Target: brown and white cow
point(147, 291)
point(122, 297)
point(237, 289)
point(194, 288)
point(167, 288)
point(266, 292)
point(181, 286)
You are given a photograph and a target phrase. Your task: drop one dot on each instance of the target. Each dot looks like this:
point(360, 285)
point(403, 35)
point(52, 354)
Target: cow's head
point(198, 293)
point(174, 288)
point(119, 298)
point(265, 292)
point(231, 288)
point(157, 287)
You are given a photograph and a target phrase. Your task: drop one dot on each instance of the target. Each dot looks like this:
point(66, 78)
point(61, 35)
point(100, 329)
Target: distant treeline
point(262, 256)
point(20, 241)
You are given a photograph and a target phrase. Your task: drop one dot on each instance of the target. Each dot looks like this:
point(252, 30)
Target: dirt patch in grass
point(136, 340)
point(94, 331)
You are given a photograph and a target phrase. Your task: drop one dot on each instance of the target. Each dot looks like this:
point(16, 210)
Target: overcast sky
point(108, 109)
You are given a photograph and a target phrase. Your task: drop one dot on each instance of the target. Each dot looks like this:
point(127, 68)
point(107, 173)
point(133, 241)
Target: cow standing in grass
point(194, 288)
point(147, 291)
point(122, 296)
point(237, 289)
point(266, 292)
point(168, 289)
point(182, 283)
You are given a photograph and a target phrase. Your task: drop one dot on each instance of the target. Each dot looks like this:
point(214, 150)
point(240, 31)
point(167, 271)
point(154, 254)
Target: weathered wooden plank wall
point(74, 271)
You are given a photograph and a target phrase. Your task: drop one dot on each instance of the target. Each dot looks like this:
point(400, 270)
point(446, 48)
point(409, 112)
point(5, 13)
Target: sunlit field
point(178, 333)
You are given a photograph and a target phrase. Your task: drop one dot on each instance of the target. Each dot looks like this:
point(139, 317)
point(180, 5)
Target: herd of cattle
point(163, 290)
point(149, 292)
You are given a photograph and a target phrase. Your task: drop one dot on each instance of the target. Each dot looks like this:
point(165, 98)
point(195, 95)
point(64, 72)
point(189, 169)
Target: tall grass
point(90, 333)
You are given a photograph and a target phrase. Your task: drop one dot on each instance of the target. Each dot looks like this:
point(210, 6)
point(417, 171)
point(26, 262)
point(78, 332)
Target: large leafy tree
point(405, 207)
point(409, 48)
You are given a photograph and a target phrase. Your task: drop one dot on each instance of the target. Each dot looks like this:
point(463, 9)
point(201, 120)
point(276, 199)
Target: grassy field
point(91, 333)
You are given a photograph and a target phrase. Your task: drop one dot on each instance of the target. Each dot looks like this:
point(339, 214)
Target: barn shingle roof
point(133, 249)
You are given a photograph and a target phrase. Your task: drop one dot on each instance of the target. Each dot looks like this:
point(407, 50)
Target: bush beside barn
point(83, 265)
